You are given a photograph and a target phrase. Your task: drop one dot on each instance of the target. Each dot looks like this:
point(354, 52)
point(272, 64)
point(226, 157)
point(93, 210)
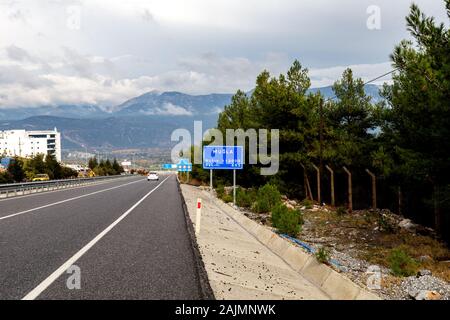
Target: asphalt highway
point(124, 239)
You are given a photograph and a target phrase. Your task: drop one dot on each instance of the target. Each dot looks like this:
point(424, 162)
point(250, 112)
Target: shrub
point(340, 211)
point(227, 198)
point(401, 263)
point(308, 204)
point(245, 198)
point(286, 220)
point(322, 255)
point(384, 224)
point(220, 190)
point(6, 177)
point(267, 198)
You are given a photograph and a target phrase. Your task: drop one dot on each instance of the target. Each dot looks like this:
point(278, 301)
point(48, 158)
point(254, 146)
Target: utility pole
point(321, 134)
point(320, 169)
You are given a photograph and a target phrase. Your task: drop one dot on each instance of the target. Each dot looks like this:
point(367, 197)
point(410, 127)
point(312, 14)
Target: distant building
point(27, 144)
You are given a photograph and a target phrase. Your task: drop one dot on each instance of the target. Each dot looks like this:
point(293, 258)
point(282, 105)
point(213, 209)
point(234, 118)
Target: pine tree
point(418, 115)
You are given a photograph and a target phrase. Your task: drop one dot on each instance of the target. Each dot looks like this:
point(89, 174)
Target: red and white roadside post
point(198, 217)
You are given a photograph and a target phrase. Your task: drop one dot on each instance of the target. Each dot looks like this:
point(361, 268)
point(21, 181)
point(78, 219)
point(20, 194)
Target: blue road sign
point(223, 157)
point(167, 166)
point(5, 162)
point(184, 166)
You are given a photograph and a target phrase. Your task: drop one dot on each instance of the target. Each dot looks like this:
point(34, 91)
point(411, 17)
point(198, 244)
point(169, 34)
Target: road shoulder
point(238, 265)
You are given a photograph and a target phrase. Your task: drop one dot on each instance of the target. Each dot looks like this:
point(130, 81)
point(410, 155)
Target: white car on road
point(152, 176)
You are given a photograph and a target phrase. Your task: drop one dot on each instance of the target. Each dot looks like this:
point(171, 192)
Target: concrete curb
point(205, 287)
point(334, 284)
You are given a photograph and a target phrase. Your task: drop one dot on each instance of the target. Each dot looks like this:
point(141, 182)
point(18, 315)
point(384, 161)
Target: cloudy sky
point(106, 51)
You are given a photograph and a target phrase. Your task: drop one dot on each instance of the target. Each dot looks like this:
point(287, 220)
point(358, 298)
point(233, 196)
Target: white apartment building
point(26, 144)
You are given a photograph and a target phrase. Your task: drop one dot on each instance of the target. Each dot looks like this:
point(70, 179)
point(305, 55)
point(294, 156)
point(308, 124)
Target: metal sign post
point(234, 187)
point(210, 181)
point(184, 166)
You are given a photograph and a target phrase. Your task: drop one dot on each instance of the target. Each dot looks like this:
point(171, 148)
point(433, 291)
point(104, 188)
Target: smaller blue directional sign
point(184, 166)
point(167, 166)
point(223, 157)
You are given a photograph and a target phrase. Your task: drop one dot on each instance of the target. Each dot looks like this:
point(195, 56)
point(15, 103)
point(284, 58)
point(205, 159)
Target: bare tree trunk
point(309, 188)
point(304, 186)
point(307, 185)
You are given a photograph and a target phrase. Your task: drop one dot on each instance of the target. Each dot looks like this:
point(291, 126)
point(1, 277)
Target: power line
point(329, 99)
point(382, 76)
point(370, 81)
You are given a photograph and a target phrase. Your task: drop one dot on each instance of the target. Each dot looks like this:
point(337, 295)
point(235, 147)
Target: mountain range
point(143, 122)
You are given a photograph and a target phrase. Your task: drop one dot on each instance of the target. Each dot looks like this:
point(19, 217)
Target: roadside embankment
point(245, 260)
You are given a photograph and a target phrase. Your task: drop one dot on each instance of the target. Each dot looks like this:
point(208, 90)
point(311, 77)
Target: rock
point(228, 190)
point(427, 295)
point(303, 208)
point(426, 287)
point(407, 224)
point(289, 205)
point(413, 293)
point(353, 233)
point(424, 272)
point(425, 258)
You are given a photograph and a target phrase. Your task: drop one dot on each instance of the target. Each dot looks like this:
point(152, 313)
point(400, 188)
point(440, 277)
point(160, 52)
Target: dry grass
point(377, 245)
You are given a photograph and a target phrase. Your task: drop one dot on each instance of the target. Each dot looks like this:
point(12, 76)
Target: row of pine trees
point(404, 139)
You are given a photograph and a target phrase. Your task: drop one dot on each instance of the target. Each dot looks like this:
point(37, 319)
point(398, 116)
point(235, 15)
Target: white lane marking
point(55, 275)
point(60, 190)
point(67, 200)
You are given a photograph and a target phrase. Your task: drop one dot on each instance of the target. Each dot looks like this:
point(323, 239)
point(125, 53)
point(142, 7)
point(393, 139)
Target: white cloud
point(168, 109)
point(80, 79)
point(124, 49)
point(367, 72)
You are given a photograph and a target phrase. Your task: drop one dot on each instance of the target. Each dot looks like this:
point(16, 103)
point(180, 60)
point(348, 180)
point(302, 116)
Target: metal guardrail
point(19, 189)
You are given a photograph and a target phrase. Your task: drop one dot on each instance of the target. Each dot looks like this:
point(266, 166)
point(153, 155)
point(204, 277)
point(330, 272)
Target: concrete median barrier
point(296, 260)
point(339, 287)
point(334, 284)
point(314, 271)
point(233, 241)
